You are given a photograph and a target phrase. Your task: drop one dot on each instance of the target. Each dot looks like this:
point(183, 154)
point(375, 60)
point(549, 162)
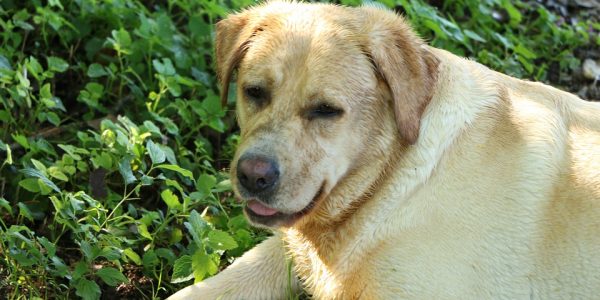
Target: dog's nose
point(257, 174)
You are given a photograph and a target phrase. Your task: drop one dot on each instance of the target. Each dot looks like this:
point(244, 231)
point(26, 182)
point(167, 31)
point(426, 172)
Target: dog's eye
point(324, 111)
point(256, 94)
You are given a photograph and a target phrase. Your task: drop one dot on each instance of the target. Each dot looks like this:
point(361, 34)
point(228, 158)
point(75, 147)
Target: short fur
point(442, 179)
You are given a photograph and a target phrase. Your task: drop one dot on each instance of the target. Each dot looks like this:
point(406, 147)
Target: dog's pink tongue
point(260, 209)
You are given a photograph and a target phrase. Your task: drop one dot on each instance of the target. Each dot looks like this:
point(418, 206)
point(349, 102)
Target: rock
point(587, 3)
point(591, 69)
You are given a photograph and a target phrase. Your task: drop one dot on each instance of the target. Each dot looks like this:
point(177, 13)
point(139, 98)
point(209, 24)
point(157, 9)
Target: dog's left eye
point(324, 110)
point(256, 94)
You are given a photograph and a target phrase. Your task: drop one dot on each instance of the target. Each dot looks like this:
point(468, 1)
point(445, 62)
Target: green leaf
point(81, 268)
point(165, 67)
point(110, 253)
point(212, 105)
point(45, 91)
point(35, 173)
point(111, 276)
point(121, 40)
point(150, 259)
point(53, 118)
point(146, 180)
point(9, 159)
point(143, 231)
point(435, 27)
point(525, 52)
point(133, 256)
point(125, 170)
point(30, 184)
point(34, 66)
point(157, 155)
point(38, 165)
point(474, 36)
point(49, 246)
point(174, 184)
point(178, 169)
point(205, 183)
point(196, 226)
point(55, 3)
point(175, 236)
point(526, 64)
point(57, 64)
point(96, 70)
point(70, 150)
point(202, 265)
point(167, 254)
point(88, 250)
point(171, 199)
point(182, 269)
point(21, 140)
point(173, 87)
point(104, 160)
point(221, 240)
point(237, 222)
point(152, 127)
point(95, 89)
point(5, 117)
point(4, 63)
point(57, 173)
point(507, 44)
point(59, 266)
point(223, 186)
point(91, 95)
point(87, 289)
point(6, 205)
point(513, 12)
point(25, 211)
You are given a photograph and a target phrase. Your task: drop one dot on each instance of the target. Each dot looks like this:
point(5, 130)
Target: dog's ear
point(402, 60)
point(231, 41)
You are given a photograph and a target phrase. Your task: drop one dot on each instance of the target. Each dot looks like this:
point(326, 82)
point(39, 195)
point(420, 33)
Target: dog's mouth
point(262, 214)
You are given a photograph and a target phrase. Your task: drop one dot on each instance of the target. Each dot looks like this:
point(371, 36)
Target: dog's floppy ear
point(404, 63)
point(231, 42)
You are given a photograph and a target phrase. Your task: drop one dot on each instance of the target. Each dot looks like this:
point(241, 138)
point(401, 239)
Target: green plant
point(111, 129)
point(517, 38)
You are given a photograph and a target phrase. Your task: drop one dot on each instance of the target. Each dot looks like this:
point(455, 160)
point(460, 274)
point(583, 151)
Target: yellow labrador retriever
point(393, 170)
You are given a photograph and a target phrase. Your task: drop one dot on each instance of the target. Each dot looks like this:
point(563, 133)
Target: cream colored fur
point(498, 197)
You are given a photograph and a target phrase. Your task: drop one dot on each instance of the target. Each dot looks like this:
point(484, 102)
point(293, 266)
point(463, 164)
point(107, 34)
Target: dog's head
point(318, 88)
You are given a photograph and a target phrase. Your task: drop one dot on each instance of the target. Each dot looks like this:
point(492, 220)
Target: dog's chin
point(263, 216)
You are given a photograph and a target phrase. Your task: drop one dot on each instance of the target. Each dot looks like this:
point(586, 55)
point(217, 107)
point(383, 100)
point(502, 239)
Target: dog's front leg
point(261, 273)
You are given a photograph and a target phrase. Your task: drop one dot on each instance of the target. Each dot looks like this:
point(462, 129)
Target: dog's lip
point(278, 218)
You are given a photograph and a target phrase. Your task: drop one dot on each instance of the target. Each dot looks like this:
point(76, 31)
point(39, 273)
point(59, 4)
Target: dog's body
point(498, 197)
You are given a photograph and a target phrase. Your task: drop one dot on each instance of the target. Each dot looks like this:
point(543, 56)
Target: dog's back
point(568, 242)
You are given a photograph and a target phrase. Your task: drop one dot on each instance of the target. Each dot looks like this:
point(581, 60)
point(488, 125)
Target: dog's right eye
point(256, 94)
point(324, 111)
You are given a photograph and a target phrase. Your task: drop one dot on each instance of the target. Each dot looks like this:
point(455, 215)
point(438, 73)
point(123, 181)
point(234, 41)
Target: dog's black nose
point(256, 173)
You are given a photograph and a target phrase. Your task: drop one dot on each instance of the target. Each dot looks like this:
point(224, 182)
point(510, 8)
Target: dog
point(389, 169)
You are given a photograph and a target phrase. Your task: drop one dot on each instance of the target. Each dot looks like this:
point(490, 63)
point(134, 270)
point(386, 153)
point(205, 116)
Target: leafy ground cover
point(114, 146)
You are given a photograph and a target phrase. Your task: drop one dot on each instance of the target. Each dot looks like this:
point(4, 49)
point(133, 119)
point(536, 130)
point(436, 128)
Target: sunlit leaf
point(177, 169)
point(182, 269)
